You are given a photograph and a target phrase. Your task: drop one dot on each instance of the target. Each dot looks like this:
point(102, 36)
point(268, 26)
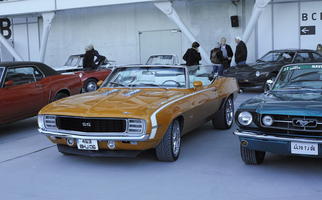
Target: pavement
point(209, 167)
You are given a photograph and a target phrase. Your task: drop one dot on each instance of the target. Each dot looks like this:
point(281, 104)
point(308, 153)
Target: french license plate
point(304, 148)
point(85, 144)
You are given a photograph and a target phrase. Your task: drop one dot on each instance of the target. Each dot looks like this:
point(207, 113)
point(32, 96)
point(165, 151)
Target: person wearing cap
point(227, 52)
point(241, 52)
point(89, 57)
point(192, 55)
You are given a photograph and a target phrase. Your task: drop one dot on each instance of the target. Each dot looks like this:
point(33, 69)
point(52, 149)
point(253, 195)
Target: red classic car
point(26, 87)
point(74, 64)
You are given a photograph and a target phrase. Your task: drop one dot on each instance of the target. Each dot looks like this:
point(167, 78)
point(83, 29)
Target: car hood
point(252, 68)
point(114, 103)
point(286, 103)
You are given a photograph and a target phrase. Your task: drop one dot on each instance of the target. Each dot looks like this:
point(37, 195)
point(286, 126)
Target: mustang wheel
point(251, 157)
point(224, 118)
point(90, 85)
point(169, 147)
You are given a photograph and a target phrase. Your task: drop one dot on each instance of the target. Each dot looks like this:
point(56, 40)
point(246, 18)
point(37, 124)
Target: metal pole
point(257, 11)
point(167, 9)
point(47, 20)
point(11, 50)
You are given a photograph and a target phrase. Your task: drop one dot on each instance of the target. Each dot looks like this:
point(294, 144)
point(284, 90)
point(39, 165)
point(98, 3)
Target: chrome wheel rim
point(91, 86)
point(229, 112)
point(176, 138)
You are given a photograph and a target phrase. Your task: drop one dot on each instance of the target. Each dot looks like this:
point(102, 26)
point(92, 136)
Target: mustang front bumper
point(273, 144)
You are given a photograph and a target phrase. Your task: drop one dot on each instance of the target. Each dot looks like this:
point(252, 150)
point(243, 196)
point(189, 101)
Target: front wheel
point(224, 118)
point(60, 95)
point(169, 147)
point(251, 157)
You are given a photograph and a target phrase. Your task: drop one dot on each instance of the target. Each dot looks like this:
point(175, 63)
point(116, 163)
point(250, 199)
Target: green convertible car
point(285, 120)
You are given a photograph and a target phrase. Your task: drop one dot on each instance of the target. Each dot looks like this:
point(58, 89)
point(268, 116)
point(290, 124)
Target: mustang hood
point(287, 103)
point(113, 103)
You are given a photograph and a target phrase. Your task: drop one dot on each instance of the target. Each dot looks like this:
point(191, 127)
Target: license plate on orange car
point(85, 144)
point(304, 148)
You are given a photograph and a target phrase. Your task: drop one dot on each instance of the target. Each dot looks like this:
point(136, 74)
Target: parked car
point(139, 108)
point(74, 64)
point(163, 60)
point(285, 120)
point(26, 87)
point(255, 75)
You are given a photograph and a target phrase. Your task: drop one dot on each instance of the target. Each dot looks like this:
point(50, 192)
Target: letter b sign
point(5, 27)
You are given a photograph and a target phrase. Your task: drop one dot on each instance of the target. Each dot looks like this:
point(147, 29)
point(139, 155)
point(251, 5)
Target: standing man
point(216, 57)
point(227, 52)
point(192, 55)
point(241, 52)
point(89, 59)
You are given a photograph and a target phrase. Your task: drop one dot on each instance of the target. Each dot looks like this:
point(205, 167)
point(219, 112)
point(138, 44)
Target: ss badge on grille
point(305, 123)
point(86, 124)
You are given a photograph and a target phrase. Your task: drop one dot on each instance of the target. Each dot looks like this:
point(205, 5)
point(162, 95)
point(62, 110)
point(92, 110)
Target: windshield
point(278, 57)
point(205, 74)
point(299, 77)
point(161, 60)
point(73, 61)
point(140, 77)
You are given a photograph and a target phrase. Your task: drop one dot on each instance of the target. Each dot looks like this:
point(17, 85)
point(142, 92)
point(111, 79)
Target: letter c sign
point(5, 27)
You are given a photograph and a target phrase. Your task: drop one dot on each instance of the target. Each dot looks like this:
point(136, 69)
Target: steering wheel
point(176, 82)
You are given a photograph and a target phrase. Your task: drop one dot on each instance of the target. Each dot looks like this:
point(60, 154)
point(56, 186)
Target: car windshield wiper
point(119, 84)
point(148, 84)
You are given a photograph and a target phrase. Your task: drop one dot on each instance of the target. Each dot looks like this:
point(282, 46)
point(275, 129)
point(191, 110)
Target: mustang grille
point(91, 124)
point(295, 125)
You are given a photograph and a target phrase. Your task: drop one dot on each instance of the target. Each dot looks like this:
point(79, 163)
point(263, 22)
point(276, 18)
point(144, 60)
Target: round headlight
point(258, 73)
point(267, 120)
point(245, 118)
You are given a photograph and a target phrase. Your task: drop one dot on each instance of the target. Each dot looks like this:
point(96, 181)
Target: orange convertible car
point(139, 108)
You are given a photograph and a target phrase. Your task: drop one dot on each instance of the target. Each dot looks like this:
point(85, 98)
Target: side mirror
point(268, 85)
point(197, 84)
point(100, 83)
point(8, 83)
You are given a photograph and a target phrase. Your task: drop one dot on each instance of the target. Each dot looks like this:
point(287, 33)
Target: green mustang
point(285, 120)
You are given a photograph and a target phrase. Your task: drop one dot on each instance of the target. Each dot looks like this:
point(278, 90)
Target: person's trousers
point(241, 63)
point(219, 69)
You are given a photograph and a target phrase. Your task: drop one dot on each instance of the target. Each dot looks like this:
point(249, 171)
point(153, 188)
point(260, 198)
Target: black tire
point(60, 95)
point(166, 150)
point(64, 153)
point(220, 120)
point(90, 85)
point(251, 157)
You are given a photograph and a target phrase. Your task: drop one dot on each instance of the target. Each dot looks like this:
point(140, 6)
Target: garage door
point(160, 42)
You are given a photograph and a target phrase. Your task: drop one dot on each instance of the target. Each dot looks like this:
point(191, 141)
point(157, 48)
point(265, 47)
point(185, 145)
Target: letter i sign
point(5, 27)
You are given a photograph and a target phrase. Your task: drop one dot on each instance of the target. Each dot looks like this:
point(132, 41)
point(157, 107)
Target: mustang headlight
point(267, 120)
point(257, 73)
point(245, 118)
point(47, 121)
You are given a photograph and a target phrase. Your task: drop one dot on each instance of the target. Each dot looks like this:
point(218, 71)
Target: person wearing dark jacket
point(241, 52)
point(217, 58)
point(192, 55)
point(227, 52)
point(89, 59)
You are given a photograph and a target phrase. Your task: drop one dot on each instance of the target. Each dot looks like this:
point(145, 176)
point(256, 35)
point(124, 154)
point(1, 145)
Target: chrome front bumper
point(94, 136)
point(252, 135)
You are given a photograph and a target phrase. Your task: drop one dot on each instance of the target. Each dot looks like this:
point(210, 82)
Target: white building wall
point(114, 30)
point(279, 26)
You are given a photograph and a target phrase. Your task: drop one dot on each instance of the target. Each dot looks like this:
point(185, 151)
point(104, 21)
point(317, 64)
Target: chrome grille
point(295, 125)
point(50, 121)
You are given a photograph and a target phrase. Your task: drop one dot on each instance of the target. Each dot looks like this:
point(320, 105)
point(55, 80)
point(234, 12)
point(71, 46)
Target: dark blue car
point(285, 120)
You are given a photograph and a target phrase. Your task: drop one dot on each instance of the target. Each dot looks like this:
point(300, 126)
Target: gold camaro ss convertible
point(139, 108)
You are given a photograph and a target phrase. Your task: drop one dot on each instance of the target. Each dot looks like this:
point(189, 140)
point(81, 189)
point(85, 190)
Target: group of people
point(221, 56)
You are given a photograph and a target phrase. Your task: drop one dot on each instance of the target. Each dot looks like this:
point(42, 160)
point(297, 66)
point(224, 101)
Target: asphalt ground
point(209, 167)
